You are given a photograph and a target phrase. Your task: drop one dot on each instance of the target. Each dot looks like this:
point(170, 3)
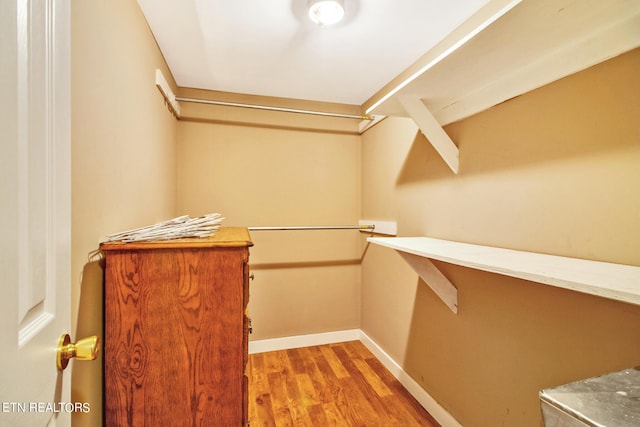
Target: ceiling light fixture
point(326, 12)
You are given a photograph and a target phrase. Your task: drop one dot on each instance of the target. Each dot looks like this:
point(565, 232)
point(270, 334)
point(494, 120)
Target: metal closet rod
point(314, 227)
point(281, 109)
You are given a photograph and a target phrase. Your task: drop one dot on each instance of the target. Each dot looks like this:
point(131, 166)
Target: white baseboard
point(298, 341)
point(421, 395)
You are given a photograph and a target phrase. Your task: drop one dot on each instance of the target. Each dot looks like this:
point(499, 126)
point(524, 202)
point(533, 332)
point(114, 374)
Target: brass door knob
point(84, 349)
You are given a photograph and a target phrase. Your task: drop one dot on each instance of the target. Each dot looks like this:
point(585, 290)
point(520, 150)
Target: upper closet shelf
point(614, 281)
point(507, 48)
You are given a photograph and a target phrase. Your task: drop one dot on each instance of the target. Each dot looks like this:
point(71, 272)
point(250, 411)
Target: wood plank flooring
point(330, 385)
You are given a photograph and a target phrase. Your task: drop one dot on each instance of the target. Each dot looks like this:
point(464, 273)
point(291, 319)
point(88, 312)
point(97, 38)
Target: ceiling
point(271, 48)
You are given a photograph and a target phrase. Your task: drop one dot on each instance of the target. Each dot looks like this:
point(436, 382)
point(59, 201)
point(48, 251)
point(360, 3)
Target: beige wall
point(552, 171)
point(556, 171)
point(123, 157)
point(280, 170)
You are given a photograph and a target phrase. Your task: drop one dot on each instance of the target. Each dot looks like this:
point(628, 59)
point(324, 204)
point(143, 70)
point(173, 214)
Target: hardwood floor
point(330, 385)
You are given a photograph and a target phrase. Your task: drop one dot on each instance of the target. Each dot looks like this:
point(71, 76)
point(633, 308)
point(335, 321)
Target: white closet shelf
point(608, 280)
point(507, 48)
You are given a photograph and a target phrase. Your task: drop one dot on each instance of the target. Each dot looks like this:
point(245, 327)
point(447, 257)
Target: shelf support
point(167, 93)
point(618, 282)
point(443, 288)
point(430, 127)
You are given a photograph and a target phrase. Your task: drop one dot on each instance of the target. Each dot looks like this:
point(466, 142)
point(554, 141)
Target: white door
point(34, 211)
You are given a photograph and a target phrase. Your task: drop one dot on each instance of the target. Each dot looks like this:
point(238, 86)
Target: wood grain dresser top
point(225, 237)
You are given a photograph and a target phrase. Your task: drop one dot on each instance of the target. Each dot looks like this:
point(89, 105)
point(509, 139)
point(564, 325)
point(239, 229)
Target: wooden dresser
point(176, 331)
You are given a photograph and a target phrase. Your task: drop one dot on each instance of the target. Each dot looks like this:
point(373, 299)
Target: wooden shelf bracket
point(430, 127)
point(428, 272)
